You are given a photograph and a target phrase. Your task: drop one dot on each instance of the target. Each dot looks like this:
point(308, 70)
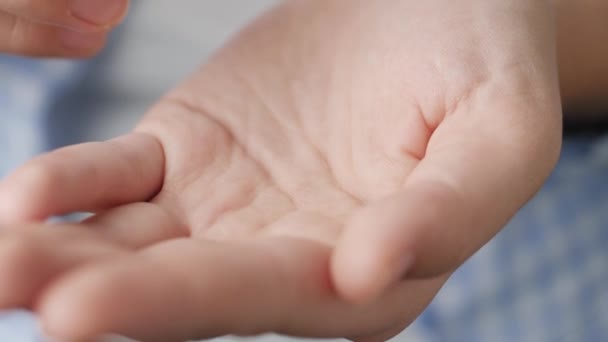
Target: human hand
point(321, 176)
point(61, 28)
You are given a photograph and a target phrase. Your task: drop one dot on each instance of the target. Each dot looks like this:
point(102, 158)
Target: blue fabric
point(544, 278)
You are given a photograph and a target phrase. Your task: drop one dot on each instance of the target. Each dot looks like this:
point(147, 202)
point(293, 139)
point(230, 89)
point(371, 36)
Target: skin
point(58, 28)
point(322, 175)
point(583, 31)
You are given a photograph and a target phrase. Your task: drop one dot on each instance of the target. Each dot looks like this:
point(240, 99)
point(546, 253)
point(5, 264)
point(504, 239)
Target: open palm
point(322, 175)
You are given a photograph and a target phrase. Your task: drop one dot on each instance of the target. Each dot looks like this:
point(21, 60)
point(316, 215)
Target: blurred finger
point(207, 289)
point(187, 289)
point(80, 15)
point(24, 37)
point(86, 177)
point(137, 225)
point(30, 259)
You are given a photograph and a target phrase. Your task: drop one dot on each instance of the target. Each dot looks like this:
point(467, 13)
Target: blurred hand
point(322, 175)
point(61, 28)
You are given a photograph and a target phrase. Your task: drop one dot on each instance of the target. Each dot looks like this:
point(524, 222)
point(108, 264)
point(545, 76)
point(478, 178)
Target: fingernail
point(98, 12)
point(80, 41)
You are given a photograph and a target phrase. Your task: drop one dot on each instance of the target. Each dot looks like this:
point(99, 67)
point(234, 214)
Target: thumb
point(458, 197)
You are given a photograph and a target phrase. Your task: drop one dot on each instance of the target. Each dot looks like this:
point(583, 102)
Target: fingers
point(74, 28)
point(35, 255)
point(187, 289)
point(461, 194)
point(86, 177)
point(29, 260)
point(183, 289)
point(137, 225)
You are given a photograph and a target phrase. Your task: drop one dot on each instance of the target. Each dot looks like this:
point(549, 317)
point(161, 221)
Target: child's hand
point(65, 28)
point(322, 175)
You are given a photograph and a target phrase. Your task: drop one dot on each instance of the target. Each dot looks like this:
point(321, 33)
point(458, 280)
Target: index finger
point(85, 177)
